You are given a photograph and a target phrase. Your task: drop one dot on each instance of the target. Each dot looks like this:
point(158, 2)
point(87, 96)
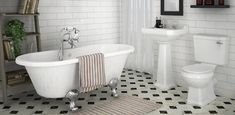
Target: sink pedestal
point(164, 36)
point(165, 79)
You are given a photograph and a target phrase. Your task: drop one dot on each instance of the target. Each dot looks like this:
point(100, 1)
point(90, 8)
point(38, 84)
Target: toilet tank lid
point(211, 37)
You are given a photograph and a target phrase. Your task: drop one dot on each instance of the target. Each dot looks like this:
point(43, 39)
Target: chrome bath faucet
point(71, 36)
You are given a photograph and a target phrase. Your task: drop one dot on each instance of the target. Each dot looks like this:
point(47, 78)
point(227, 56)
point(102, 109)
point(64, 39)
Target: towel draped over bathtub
point(91, 72)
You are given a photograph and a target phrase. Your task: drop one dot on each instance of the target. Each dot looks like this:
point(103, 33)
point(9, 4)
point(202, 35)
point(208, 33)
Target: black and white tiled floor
point(132, 83)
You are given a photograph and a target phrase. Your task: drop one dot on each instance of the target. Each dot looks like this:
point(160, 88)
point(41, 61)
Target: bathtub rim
point(21, 61)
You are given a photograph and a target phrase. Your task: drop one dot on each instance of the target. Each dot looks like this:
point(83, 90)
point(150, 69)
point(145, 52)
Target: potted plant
point(15, 30)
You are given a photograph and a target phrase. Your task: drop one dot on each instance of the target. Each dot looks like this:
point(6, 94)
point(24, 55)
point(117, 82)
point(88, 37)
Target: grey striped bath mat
point(124, 105)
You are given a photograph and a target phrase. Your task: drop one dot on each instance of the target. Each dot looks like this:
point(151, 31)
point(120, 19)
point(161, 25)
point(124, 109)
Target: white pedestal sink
point(164, 36)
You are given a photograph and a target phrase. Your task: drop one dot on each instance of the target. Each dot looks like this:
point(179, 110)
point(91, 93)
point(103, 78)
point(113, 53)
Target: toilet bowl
point(200, 81)
point(210, 51)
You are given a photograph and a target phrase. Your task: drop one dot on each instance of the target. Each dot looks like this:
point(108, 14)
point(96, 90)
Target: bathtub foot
point(113, 85)
point(72, 95)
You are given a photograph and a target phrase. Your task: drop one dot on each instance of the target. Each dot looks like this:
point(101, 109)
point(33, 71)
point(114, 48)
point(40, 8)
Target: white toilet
point(210, 51)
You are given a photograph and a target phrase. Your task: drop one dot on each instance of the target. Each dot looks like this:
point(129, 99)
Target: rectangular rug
point(123, 105)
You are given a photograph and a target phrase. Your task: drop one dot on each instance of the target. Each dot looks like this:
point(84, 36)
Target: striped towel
point(91, 72)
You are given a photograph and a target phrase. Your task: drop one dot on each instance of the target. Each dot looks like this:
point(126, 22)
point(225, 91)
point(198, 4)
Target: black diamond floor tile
point(30, 107)
point(153, 88)
point(139, 75)
point(188, 112)
point(220, 107)
point(133, 88)
point(163, 112)
point(172, 107)
point(184, 91)
point(38, 112)
point(64, 112)
point(6, 107)
point(45, 103)
point(54, 107)
point(227, 103)
point(144, 91)
point(123, 91)
point(37, 98)
point(91, 103)
point(177, 95)
point(59, 99)
point(22, 103)
point(103, 99)
point(164, 91)
point(182, 103)
point(136, 95)
point(30, 95)
point(146, 98)
point(212, 112)
point(93, 95)
point(196, 107)
point(15, 99)
point(104, 91)
point(156, 95)
point(81, 98)
point(13, 112)
point(168, 99)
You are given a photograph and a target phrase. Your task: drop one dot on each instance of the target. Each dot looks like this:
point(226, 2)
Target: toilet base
point(201, 96)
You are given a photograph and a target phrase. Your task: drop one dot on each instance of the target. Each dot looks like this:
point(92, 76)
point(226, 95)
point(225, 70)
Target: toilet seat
point(199, 78)
point(199, 68)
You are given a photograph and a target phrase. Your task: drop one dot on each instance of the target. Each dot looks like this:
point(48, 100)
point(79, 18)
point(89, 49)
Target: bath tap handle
point(70, 35)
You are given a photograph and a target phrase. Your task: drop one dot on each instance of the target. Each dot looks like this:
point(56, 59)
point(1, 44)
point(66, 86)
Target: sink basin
point(166, 34)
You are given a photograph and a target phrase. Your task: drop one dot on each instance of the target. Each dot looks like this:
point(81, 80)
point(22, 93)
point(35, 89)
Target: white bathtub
point(53, 79)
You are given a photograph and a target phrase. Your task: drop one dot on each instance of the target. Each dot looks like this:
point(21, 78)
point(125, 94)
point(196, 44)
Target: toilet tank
point(211, 49)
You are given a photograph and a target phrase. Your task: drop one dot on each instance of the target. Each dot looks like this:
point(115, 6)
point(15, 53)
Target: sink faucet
point(70, 35)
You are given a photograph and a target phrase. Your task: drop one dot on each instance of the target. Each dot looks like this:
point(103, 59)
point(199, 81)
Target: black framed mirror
point(172, 7)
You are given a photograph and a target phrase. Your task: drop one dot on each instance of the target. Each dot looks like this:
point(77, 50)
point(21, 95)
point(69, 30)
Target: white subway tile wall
point(200, 20)
point(98, 20)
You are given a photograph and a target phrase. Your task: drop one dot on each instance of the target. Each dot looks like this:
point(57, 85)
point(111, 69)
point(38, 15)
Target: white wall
point(212, 21)
point(98, 20)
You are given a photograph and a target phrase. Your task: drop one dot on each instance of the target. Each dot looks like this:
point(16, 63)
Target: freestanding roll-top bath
point(53, 78)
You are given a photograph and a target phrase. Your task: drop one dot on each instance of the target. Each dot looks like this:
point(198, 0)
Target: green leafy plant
point(15, 30)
